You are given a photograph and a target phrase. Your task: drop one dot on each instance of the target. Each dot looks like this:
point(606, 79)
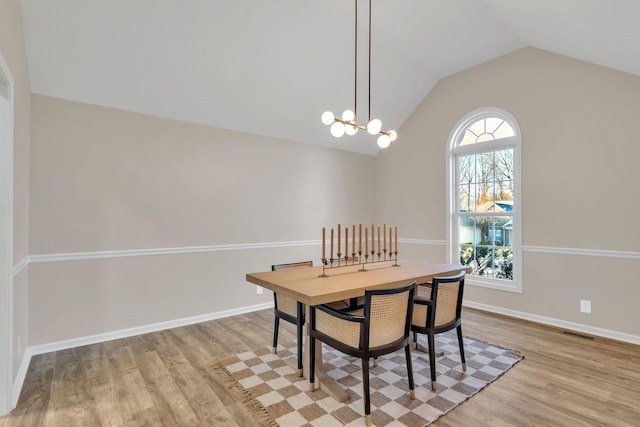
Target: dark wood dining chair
point(289, 309)
point(437, 308)
point(383, 328)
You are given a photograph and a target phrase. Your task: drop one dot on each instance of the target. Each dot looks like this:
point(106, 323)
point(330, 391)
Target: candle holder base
point(324, 265)
point(395, 264)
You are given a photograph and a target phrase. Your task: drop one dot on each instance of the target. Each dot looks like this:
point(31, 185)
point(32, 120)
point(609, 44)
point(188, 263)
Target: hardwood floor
point(165, 378)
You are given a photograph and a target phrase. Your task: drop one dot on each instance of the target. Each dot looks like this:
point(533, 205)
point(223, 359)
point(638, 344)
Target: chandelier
point(348, 123)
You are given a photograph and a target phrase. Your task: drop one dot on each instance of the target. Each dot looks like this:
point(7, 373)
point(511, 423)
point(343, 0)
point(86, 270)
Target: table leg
point(437, 353)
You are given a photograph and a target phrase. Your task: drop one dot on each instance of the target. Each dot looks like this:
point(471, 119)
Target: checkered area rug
point(273, 387)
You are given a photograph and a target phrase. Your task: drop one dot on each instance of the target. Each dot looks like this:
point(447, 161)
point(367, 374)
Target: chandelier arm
point(348, 123)
point(355, 124)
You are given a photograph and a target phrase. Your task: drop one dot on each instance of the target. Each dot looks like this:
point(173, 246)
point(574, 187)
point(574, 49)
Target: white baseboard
point(125, 333)
point(578, 327)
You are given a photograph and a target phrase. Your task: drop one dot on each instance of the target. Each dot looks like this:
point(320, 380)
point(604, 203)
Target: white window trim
point(453, 255)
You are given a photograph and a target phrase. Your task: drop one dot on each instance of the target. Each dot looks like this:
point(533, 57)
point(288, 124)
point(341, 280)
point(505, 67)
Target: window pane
point(493, 123)
point(468, 138)
point(478, 127)
point(507, 228)
point(483, 262)
point(467, 256)
point(503, 164)
point(498, 229)
point(484, 167)
point(485, 137)
point(467, 198)
point(468, 234)
point(504, 195)
point(503, 263)
point(466, 169)
point(504, 131)
point(486, 197)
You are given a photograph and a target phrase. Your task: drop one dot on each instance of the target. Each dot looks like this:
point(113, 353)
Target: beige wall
point(109, 180)
point(13, 51)
point(579, 151)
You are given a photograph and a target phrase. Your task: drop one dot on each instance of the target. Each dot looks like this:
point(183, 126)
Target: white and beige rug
point(277, 396)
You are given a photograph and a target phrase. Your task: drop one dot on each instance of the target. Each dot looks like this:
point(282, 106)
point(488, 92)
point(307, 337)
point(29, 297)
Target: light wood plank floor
point(164, 378)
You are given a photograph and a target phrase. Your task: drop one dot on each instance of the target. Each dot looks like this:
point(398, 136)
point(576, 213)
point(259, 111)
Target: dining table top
point(307, 284)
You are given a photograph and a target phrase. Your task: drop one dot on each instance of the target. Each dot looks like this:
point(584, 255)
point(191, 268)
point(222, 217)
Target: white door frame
point(6, 240)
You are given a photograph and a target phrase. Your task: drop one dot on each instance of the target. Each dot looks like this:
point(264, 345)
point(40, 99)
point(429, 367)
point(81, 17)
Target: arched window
point(484, 220)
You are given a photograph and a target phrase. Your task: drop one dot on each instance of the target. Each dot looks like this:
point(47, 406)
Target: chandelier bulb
point(384, 141)
point(337, 129)
point(374, 126)
point(393, 135)
point(327, 117)
point(348, 115)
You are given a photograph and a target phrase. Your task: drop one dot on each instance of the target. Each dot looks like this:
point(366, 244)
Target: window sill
point(497, 284)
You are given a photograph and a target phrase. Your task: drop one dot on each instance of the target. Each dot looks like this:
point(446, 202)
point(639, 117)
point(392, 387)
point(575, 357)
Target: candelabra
point(360, 257)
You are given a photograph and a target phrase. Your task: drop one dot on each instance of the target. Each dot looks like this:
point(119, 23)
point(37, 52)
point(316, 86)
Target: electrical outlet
point(585, 306)
point(259, 290)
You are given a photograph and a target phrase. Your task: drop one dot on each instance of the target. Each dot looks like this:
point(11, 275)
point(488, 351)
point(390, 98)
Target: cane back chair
point(437, 308)
point(383, 328)
point(290, 310)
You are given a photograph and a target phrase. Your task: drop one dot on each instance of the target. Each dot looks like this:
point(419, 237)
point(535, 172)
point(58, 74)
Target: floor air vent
point(575, 334)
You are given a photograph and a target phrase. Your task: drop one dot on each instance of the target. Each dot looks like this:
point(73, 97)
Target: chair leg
point(407, 352)
point(461, 344)
point(312, 363)
point(432, 360)
point(299, 327)
point(367, 395)
point(275, 333)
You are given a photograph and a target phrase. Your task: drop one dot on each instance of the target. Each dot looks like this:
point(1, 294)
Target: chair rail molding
point(17, 268)
point(583, 252)
point(77, 256)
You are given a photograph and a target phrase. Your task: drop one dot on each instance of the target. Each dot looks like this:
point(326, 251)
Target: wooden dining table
point(311, 287)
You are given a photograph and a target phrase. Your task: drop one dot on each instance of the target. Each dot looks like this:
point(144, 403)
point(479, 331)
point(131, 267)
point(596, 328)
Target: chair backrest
point(446, 295)
point(275, 267)
point(284, 304)
point(388, 314)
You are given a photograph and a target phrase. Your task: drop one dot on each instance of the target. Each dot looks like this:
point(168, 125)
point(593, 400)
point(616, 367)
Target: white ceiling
point(271, 67)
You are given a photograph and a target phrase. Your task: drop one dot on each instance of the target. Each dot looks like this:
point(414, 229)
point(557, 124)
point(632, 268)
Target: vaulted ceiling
point(271, 67)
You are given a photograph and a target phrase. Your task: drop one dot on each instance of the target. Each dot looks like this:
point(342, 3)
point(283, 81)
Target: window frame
point(454, 151)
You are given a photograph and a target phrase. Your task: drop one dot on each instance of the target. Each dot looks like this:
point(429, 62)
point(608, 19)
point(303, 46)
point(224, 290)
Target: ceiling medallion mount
point(348, 123)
